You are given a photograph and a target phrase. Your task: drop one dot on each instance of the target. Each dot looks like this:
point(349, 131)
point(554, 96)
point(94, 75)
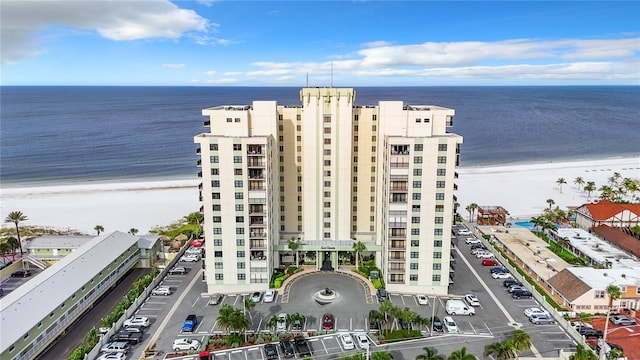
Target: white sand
point(521, 189)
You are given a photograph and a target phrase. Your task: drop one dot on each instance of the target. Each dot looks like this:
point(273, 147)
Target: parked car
point(126, 336)
point(178, 270)
point(215, 299)
point(287, 348)
point(422, 300)
point(514, 287)
point(271, 351)
point(623, 320)
point(190, 258)
point(21, 273)
point(403, 324)
point(535, 311)
point(576, 325)
point(472, 300)
point(478, 249)
point(472, 240)
point(269, 295)
point(256, 297)
point(520, 293)
point(194, 251)
point(134, 328)
point(327, 322)
point(137, 320)
point(297, 325)
point(184, 344)
point(436, 324)
point(464, 232)
point(113, 356)
point(190, 323)
point(363, 341)
point(542, 319)
point(501, 275)
point(510, 282)
point(498, 269)
point(205, 355)
point(281, 324)
point(477, 246)
point(485, 255)
point(347, 342)
point(197, 242)
point(450, 324)
point(162, 290)
point(373, 323)
point(589, 332)
point(382, 295)
point(116, 346)
point(489, 262)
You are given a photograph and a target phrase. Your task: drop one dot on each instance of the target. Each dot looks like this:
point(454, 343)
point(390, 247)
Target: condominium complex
point(327, 174)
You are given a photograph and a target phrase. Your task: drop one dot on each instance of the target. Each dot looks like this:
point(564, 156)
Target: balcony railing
point(396, 165)
point(257, 235)
point(255, 163)
point(397, 224)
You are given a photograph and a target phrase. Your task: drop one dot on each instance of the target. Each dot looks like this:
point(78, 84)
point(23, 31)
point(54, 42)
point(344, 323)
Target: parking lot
point(496, 317)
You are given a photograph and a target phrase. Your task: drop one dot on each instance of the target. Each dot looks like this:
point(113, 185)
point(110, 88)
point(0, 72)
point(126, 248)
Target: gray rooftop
point(147, 241)
point(600, 279)
point(58, 241)
point(25, 307)
point(598, 249)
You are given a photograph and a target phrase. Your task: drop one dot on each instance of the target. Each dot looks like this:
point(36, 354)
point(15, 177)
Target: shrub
point(402, 335)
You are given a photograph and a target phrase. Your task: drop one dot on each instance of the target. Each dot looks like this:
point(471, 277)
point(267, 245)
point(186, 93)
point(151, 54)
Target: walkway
point(369, 289)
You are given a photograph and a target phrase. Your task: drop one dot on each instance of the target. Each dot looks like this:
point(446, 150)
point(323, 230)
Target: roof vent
point(624, 275)
point(605, 274)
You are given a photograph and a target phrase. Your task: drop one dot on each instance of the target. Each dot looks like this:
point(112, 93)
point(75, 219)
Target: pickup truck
point(190, 323)
point(126, 336)
point(302, 346)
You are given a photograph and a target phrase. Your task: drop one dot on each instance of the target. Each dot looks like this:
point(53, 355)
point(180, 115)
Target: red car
point(327, 322)
point(197, 243)
point(489, 262)
point(205, 355)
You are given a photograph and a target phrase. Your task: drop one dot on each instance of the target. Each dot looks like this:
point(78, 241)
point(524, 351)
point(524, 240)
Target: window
point(439, 196)
point(214, 159)
point(215, 183)
point(239, 195)
point(239, 219)
point(437, 266)
point(242, 277)
point(440, 184)
point(415, 254)
point(417, 172)
point(236, 120)
point(437, 231)
point(599, 294)
point(327, 130)
point(438, 219)
point(441, 172)
point(218, 265)
point(237, 171)
point(217, 219)
point(418, 120)
point(217, 231)
point(442, 159)
point(239, 242)
point(442, 147)
point(327, 215)
point(327, 141)
point(413, 266)
point(229, 119)
point(237, 159)
point(374, 117)
point(219, 277)
point(239, 207)
point(417, 184)
point(237, 183)
point(239, 231)
point(415, 243)
point(415, 208)
point(215, 171)
point(417, 160)
point(437, 243)
point(240, 265)
point(415, 219)
point(213, 147)
point(435, 277)
point(416, 196)
point(413, 277)
point(237, 147)
point(240, 254)
point(327, 119)
point(215, 195)
point(355, 128)
point(217, 254)
point(623, 289)
point(415, 231)
point(417, 147)
point(355, 117)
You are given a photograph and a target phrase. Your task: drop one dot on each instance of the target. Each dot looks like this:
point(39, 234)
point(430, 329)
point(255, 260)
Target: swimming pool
point(527, 224)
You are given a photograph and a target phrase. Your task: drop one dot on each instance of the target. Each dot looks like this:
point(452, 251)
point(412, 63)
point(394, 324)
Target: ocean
point(79, 134)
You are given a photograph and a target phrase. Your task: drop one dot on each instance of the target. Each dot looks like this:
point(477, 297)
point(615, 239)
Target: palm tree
point(358, 248)
point(561, 181)
point(5, 249)
point(550, 202)
point(470, 210)
point(381, 355)
point(99, 229)
point(430, 354)
point(473, 207)
point(500, 350)
point(272, 323)
point(294, 244)
point(614, 294)
point(589, 188)
point(14, 244)
point(461, 355)
point(583, 353)
point(133, 231)
point(579, 181)
point(631, 186)
point(386, 309)
point(521, 340)
point(563, 242)
point(606, 192)
point(195, 218)
point(16, 217)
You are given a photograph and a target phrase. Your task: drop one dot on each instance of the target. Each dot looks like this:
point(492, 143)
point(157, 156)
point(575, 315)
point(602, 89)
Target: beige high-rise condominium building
point(327, 174)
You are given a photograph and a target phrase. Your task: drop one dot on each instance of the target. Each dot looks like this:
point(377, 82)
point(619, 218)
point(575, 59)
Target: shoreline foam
point(144, 203)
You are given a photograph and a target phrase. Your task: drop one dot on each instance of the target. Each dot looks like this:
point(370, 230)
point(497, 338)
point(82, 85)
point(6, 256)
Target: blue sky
point(344, 43)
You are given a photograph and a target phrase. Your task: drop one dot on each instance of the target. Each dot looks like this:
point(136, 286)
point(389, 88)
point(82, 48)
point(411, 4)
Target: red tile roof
point(618, 238)
point(604, 209)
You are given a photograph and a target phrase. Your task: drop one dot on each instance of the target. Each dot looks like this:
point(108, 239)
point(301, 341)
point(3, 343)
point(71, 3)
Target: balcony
point(455, 186)
point(199, 163)
point(257, 244)
point(200, 186)
point(397, 256)
point(198, 151)
point(397, 269)
point(200, 174)
point(399, 164)
point(255, 150)
point(257, 185)
point(399, 149)
point(256, 174)
point(207, 123)
point(256, 210)
point(255, 163)
point(397, 245)
point(455, 175)
point(257, 234)
point(398, 198)
point(257, 222)
point(396, 224)
point(397, 235)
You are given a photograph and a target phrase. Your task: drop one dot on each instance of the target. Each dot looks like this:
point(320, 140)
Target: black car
point(270, 351)
point(287, 348)
point(437, 324)
point(382, 295)
point(509, 282)
point(21, 273)
point(477, 246)
point(404, 325)
point(589, 332)
point(498, 269)
point(126, 336)
point(373, 322)
point(520, 293)
point(296, 326)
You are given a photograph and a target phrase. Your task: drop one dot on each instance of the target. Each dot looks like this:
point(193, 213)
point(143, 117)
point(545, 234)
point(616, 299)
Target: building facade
point(324, 175)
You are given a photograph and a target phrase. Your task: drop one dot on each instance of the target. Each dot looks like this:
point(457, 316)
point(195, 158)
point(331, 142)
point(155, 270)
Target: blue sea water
point(69, 134)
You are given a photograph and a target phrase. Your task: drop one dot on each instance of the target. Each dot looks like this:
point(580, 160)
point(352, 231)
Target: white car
point(472, 300)
point(347, 342)
point(113, 356)
point(281, 325)
point(500, 275)
point(422, 299)
point(472, 240)
point(464, 232)
point(183, 344)
point(579, 324)
point(190, 258)
point(484, 255)
point(363, 341)
point(194, 251)
point(535, 311)
point(137, 320)
point(162, 290)
point(450, 324)
point(269, 296)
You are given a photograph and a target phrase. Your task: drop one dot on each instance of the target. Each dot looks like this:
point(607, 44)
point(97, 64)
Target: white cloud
point(232, 73)
point(174, 66)
point(119, 21)
point(211, 72)
point(223, 81)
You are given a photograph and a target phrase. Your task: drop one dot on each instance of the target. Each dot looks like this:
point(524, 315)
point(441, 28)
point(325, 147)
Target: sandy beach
point(521, 189)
